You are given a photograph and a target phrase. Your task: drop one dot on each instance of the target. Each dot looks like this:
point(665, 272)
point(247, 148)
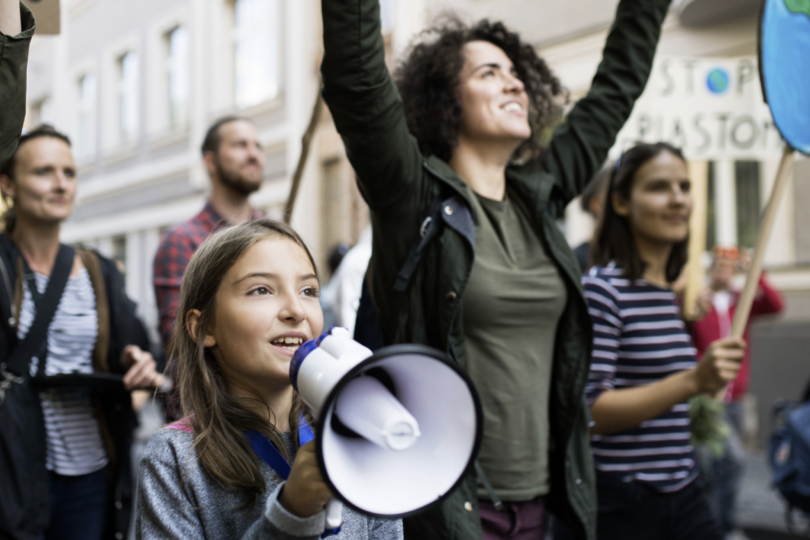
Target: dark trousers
point(633, 510)
point(516, 520)
point(78, 506)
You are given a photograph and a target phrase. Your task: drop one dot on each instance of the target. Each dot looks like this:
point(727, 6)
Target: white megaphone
point(396, 429)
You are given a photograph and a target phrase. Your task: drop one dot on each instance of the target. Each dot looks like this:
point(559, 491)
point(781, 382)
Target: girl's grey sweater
point(177, 499)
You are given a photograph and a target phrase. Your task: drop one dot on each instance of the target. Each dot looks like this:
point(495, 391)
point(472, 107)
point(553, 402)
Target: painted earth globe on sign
point(718, 80)
point(785, 65)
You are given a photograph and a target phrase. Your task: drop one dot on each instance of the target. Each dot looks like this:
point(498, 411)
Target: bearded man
point(233, 157)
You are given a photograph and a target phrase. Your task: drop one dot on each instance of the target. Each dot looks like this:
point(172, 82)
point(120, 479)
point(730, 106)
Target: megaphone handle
point(334, 514)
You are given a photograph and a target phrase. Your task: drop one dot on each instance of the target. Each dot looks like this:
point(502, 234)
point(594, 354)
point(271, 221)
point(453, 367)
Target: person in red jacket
point(725, 472)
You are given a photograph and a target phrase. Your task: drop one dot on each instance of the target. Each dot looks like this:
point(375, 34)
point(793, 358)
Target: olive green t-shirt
point(512, 304)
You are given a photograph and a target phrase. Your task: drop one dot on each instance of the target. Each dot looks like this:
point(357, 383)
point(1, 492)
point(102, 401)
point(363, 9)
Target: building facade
point(135, 84)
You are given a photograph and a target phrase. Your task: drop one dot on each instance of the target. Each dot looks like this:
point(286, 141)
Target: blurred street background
point(136, 84)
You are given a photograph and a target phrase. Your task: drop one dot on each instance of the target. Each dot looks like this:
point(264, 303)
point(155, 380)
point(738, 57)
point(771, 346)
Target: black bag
point(789, 457)
point(24, 497)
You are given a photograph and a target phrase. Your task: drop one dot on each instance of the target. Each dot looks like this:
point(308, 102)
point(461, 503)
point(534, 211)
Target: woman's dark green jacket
point(400, 185)
point(13, 69)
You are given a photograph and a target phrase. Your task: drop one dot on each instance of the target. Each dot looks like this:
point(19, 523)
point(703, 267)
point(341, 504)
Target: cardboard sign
point(711, 108)
point(46, 13)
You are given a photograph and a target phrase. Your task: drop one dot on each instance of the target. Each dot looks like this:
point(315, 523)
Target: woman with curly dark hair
point(430, 76)
point(458, 139)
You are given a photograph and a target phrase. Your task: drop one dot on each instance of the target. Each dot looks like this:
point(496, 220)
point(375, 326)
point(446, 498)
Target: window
point(746, 179)
point(256, 56)
point(711, 208)
point(127, 97)
point(177, 77)
point(335, 205)
point(739, 220)
point(40, 113)
point(86, 121)
point(119, 250)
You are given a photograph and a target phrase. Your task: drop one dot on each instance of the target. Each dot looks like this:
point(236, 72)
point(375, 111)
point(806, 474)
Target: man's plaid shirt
point(176, 248)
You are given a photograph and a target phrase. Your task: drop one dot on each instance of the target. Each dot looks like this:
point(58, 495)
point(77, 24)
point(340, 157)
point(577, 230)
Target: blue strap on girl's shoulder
point(305, 434)
point(270, 454)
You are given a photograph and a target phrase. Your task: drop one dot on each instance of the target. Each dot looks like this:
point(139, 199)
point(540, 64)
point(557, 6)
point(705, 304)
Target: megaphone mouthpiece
point(367, 407)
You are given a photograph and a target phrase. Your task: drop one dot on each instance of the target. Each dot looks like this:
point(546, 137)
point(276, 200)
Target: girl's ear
point(620, 205)
point(192, 326)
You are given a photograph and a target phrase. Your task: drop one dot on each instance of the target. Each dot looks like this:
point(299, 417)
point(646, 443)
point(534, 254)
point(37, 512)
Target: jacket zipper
point(479, 470)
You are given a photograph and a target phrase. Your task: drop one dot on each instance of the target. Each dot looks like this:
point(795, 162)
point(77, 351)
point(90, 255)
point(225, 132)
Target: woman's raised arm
point(580, 145)
point(16, 30)
point(365, 104)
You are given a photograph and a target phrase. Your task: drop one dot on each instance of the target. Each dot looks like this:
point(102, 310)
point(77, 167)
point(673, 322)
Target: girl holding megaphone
point(249, 299)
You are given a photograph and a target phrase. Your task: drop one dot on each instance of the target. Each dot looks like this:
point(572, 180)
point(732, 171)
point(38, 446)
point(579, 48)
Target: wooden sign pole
point(306, 144)
point(695, 273)
point(768, 219)
point(752, 279)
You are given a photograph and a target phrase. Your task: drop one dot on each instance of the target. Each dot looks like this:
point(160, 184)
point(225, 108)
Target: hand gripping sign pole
point(784, 39)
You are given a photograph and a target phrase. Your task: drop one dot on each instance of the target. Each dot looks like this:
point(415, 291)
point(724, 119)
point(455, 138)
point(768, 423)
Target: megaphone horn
point(396, 429)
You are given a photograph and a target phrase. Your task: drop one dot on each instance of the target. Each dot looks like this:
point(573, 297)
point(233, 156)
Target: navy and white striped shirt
point(639, 339)
point(73, 435)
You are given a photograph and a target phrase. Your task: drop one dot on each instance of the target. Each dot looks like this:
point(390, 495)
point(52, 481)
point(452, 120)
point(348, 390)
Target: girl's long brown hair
point(216, 417)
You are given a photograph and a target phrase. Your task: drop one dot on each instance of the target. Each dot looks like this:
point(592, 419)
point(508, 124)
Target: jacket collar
point(523, 178)
point(456, 208)
point(441, 170)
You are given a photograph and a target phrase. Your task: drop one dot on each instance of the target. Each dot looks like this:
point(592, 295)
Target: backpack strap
point(367, 326)
point(430, 229)
point(7, 309)
point(92, 263)
point(31, 279)
point(14, 370)
point(8, 280)
point(18, 292)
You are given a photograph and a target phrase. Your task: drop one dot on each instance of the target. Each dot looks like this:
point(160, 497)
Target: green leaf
point(707, 425)
point(798, 6)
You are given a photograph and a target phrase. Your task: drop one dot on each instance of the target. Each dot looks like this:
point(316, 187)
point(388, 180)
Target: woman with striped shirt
point(644, 366)
point(86, 433)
